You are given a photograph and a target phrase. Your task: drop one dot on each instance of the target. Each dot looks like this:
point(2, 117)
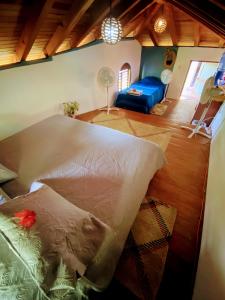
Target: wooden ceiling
point(35, 29)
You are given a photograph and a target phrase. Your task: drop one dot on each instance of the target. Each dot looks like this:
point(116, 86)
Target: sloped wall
point(210, 280)
point(31, 93)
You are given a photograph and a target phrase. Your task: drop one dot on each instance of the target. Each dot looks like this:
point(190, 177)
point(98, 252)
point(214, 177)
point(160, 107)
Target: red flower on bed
point(27, 217)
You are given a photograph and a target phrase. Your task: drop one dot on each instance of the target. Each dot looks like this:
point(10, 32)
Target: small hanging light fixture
point(111, 29)
point(160, 24)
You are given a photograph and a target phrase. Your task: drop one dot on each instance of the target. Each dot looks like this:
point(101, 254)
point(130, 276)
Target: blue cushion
point(151, 80)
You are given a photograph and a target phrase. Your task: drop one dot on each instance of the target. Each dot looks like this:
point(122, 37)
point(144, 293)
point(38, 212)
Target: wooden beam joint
point(38, 13)
point(64, 29)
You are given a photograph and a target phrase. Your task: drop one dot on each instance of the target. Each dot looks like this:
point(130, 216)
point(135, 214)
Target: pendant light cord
point(110, 16)
point(110, 8)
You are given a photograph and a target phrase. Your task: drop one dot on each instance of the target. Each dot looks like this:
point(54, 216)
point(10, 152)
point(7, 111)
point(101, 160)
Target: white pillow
point(6, 174)
point(3, 197)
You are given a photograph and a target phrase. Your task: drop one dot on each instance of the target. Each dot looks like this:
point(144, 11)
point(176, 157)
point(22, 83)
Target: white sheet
point(98, 169)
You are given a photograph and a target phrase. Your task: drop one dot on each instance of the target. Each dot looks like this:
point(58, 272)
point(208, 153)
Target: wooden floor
point(182, 184)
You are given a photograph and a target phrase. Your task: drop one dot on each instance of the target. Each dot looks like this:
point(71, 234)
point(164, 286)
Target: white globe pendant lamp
point(111, 30)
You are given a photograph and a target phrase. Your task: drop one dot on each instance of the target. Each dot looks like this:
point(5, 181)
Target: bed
point(97, 169)
point(142, 95)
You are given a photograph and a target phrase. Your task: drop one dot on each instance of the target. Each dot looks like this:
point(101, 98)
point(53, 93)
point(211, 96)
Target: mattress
point(99, 169)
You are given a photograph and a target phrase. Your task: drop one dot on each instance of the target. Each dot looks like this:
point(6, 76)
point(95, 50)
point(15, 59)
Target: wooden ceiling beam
point(196, 21)
point(151, 14)
point(101, 10)
point(218, 3)
point(152, 11)
point(139, 10)
point(127, 29)
point(128, 9)
point(148, 17)
point(140, 22)
point(168, 10)
point(196, 34)
point(38, 13)
point(221, 43)
point(152, 37)
point(201, 24)
point(63, 30)
point(122, 12)
point(210, 16)
point(140, 28)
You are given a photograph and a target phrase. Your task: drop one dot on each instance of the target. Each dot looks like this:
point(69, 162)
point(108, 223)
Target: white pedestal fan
point(106, 78)
point(210, 93)
point(166, 77)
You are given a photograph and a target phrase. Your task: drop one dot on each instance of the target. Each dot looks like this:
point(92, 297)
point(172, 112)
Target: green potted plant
point(71, 108)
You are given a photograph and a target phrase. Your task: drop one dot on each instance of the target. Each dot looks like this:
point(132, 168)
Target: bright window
point(124, 76)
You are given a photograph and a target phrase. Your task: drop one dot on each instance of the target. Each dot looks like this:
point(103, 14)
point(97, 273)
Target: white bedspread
point(98, 169)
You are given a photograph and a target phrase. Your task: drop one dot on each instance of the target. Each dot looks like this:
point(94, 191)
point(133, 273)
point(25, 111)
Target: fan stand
point(108, 108)
point(200, 124)
point(164, 96)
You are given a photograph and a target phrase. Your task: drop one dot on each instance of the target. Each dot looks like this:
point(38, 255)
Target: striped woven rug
point(142, 263)
point(158, 135)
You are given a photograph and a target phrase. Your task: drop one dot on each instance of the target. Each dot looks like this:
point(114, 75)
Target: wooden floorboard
point(180, 183)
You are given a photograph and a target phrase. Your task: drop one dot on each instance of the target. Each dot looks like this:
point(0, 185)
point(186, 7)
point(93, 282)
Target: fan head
point(166, 76)
point(106, 76)
point(210, 91)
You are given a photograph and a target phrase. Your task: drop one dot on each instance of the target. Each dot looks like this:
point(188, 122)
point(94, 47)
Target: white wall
point(184, 57)
point(218, 119)
point(31, 93)
point(210, 280)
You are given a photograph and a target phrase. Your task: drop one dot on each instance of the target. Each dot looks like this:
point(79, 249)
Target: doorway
point(198, 73)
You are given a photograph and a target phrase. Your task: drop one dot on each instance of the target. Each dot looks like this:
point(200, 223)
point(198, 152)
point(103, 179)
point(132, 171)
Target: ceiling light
point(160, 24)
point(111, 30)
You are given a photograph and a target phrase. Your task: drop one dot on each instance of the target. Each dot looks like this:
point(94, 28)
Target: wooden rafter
point(120, 10)
point(150, 14)
point(130, 17)
point(141, 9)
point(168, 10)
point(138, 21)
point(133, 26)
point(153, 37)
point(28, 27)
point(212, 19)
point(128, 9)
point(195, 20)
point(196, 34)
point(218, 3)
point(140, 28)
point(102, 10)
point(221, 42)
point(124, 14)
point(63, 30)
point(37, 14)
